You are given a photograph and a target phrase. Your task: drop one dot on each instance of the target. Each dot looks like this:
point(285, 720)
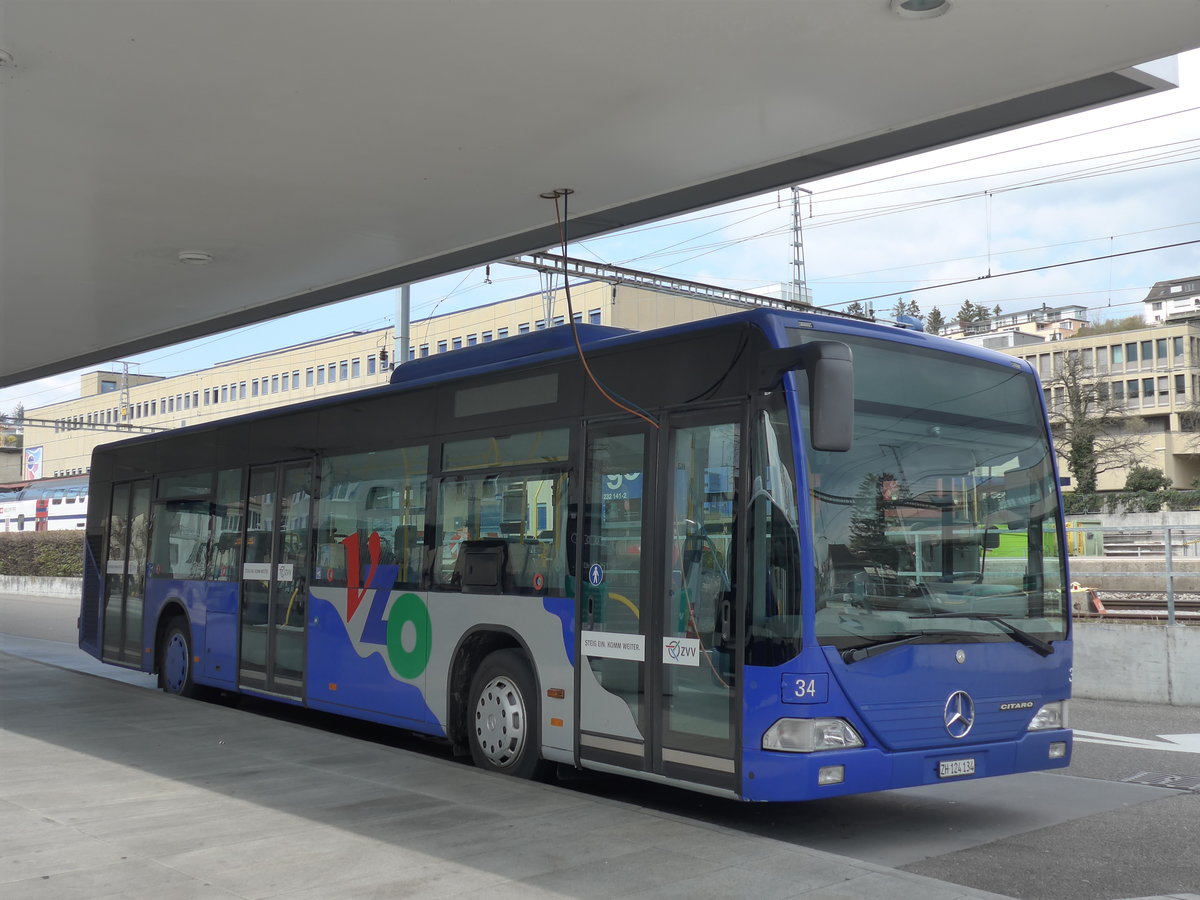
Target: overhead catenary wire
point(1058, 265)
point(824, 194)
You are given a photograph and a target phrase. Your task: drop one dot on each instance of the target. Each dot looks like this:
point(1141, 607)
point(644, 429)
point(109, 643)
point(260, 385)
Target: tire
point(175, 660)
point(502, 717)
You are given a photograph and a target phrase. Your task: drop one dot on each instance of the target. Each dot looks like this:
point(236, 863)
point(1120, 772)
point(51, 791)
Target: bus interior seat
point(845, 565)
point(484, 566)
point(258, 546)
point(331, 559)
point(528, 557)
point(519, 555)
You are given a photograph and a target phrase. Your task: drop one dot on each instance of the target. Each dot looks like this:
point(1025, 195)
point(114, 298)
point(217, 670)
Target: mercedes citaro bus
point(757, 556)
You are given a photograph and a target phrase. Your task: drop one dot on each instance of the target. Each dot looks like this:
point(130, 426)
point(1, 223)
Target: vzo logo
point(405, 634)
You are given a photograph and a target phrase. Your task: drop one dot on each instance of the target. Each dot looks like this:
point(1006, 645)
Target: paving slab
point(111, 790)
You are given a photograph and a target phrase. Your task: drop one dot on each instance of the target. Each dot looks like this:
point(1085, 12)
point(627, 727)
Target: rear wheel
point(503, 716)
point(175, 660)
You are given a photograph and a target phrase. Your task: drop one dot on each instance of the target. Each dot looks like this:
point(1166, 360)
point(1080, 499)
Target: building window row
point(314, 376)
point(446, 345)
point(1156, 353)
point(1141, 391)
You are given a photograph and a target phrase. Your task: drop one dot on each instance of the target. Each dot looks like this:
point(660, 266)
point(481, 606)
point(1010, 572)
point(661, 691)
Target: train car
point(47, 504)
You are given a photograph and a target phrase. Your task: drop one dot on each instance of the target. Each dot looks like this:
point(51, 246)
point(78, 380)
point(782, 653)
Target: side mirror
point(830, 368)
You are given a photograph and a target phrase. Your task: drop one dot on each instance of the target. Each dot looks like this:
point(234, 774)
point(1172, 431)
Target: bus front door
point(656, 675)
point(697, 659)
point(275, 579)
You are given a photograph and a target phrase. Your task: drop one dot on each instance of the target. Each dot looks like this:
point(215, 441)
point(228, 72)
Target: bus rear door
point(275, 579)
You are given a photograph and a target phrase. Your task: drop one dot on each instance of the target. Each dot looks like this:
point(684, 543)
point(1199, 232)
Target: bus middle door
point(614, 715)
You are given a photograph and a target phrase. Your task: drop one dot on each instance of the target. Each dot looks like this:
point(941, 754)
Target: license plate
point(954, 768)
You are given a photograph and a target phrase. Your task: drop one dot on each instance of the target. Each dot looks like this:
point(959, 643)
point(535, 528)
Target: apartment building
point(115, 405)
point(1171, 300)
point(1045, 323)
point(1153, 373)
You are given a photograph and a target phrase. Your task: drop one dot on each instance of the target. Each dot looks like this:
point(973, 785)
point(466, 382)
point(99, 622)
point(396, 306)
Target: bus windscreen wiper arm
point(858, 653)
point(1033, 642)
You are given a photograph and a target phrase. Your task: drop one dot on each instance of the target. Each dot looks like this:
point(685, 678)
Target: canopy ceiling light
point(920, 9)
point(195, 257)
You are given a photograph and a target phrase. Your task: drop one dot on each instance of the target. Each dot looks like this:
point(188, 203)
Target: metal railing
point(1176, 546)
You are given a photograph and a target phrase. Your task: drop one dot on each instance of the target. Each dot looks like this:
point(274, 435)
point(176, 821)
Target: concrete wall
point(1147, 573)
point(1142, 663)
point(1188, 518)
point(1113, 660)
point(41, 587)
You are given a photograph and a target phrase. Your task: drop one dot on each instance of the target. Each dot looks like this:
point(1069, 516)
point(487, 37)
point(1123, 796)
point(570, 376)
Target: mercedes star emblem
point(960, 714)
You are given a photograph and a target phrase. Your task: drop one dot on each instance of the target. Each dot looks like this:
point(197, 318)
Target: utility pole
point(799, 276)
point(126, 418)
point(547, 280)
point(400, 354)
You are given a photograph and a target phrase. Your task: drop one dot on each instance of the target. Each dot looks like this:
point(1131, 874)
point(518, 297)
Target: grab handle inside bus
point(830, 368)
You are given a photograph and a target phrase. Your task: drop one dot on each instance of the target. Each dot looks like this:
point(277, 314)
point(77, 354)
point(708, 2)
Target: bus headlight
point(810, 735)
point(1052, 715)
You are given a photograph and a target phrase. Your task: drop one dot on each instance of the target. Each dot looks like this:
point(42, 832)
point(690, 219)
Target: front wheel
point(175, 660)
point(503, 716)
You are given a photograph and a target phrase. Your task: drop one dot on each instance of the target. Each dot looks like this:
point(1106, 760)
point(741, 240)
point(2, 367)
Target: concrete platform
point(110, 790)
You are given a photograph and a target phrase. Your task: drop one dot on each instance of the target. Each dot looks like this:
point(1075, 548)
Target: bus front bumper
point(778, 776)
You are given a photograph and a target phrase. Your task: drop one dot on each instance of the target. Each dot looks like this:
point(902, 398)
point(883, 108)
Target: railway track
point(1147, 604)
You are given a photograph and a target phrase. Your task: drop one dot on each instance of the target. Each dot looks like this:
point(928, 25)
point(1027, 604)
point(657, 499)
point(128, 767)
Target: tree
point(971, 313)
point(1146, 478)
point(934, 323)
point(12, 437)
point(906, 308)
point(1090, 429)
point(1112, 326)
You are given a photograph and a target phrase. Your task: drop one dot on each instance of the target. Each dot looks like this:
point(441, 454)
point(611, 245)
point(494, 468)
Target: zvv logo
point(681, 651)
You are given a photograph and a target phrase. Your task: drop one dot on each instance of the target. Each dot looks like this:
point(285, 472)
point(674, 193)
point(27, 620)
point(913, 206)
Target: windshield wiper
point(1033, 642)
point(857, 653)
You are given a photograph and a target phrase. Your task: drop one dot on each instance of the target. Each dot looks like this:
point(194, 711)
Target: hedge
point(1130, 502)
point(45, 554)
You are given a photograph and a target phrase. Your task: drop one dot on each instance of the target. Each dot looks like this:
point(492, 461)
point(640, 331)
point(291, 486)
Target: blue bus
point(753, 556)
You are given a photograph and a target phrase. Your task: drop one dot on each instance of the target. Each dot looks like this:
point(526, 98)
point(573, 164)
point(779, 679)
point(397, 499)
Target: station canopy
point(317, 150)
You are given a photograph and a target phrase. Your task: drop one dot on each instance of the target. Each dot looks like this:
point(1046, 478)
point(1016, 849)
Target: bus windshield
point(941, 523)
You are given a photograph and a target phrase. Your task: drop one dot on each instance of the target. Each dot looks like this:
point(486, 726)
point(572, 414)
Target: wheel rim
point(500, 722)
point(175, 663)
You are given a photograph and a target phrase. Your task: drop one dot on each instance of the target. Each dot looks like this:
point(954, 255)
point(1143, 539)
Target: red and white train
point(48, 504)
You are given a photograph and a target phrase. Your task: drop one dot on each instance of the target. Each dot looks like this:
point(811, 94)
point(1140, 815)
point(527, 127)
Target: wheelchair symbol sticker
point(596, 574)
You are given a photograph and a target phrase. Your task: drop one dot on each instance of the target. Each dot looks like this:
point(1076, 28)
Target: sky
point(1001, 220)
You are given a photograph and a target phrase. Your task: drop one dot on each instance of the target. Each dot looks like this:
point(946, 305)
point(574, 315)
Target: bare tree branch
point(1091, 429)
